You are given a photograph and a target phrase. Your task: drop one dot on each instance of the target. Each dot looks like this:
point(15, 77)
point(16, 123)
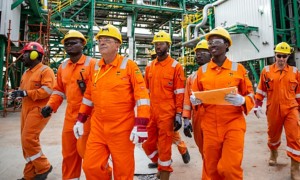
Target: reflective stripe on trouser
point(160, 135)
point(32, 124)
point(100, 145)
point(223, 149)
point(283, 116)
point(181, 146)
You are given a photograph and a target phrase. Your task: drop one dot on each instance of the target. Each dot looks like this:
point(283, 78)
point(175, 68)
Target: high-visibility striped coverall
point(113, 90)
point(165, 81)
point(224, 126)
point(38, 82)
point(66, 87)
point(194, 113)
point(283, 98)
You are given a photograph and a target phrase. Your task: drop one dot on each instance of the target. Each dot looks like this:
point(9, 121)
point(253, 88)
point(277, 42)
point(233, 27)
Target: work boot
point(186, 157)
point(273, 158)
point(44, 175)
point(152, 165)
point(164, 175)
point(158, 175)
point(295, 173)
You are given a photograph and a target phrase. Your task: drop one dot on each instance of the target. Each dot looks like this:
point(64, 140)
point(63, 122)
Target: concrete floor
point(254, 164)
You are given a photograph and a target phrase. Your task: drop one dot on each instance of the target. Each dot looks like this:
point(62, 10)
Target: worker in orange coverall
point(181, 146)
point(115, 87)
point(165, 81)
point(279, 83)
point(72, 77)
point(202, 57)
point(223, 126)
point(35, 89)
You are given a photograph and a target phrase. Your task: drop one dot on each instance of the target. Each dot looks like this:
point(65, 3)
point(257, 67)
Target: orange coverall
point(165, 81)
point(66, 87)
point(193, 112)
point(224, 126)
point(283, 98)
point(38, 82)
point(113, 90)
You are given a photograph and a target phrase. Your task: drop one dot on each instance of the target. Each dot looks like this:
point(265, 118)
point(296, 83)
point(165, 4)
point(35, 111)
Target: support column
point(131, 36)
point(2, 55)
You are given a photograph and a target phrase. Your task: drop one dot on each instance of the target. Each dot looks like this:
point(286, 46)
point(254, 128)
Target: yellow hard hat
point(219, 31)
point(110, 31)
point(162, 36)
point(284, 48)
point(74, 34)
point(201, 45)
point(152, 52)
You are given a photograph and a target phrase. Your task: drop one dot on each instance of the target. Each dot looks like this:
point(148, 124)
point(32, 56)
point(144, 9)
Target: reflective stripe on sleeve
point(59, 93)
point(267, 68)
point(87, 61)
point(297, 95)
point(174, 63)
point(124, 63)
point(47, 89)
point(261, 92)
point(142, 102)
point(152, 154)
point(204, 68)
point(187, 107)
point(87, 102)
point(179, 91)
point(234, 66)
point(275, 143)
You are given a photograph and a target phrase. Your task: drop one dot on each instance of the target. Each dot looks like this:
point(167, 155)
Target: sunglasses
point(105, 39)
point(216, 42)
point(281, 56)
point(203, 53)
point(72, 43)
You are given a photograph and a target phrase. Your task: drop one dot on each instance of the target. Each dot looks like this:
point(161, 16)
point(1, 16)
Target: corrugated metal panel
point(252, 13)
point(13, 15)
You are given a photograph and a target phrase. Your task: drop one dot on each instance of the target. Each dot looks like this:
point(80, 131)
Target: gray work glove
point(177, 122)
point(235, 99)
point(195, 101)
point(187, 128)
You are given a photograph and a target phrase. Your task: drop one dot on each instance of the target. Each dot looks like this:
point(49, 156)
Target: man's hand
point(258, 108)
point(187, 128)
point(18, 93)
point(46, 111)
point(235, 99)
point(139, 132)
point(195, 101)
point(78, 129)
point(177, 122)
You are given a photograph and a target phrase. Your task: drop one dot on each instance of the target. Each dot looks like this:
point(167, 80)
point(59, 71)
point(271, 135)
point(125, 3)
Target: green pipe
point(274, 21)
point(296, 22)
point(256, 77)
point(2, 55)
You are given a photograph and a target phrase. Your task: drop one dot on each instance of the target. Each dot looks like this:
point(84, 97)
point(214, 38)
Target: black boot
point(152, 165)
point(186, 157)
point(44, 175)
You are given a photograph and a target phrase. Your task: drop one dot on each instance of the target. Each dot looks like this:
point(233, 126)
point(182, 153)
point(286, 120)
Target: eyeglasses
point(203, 53)
point(105, 39)
point(71, 43)
point(281, 56)
point(216, 42)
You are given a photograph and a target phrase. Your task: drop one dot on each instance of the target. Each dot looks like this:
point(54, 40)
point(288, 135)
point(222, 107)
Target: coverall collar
point(275, 68)
point(164, 62)
point(80, 61)
point(113, 63)
point(226, 64)
point(38, 66)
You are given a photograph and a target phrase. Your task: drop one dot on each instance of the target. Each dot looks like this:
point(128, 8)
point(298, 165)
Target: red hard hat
point(33, 46)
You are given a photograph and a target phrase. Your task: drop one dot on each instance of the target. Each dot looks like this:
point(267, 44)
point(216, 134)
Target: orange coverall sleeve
point(140, 91)
point(187, 106)
point(298, 88)
point(87, 105)
point(261, 90)
point(57, 97)
point(47, 83)
point(246, 89)
point(179, 79)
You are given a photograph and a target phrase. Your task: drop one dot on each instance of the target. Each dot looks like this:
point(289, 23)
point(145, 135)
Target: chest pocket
point(293, 84)
point(35, 82)
point(168, 82)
